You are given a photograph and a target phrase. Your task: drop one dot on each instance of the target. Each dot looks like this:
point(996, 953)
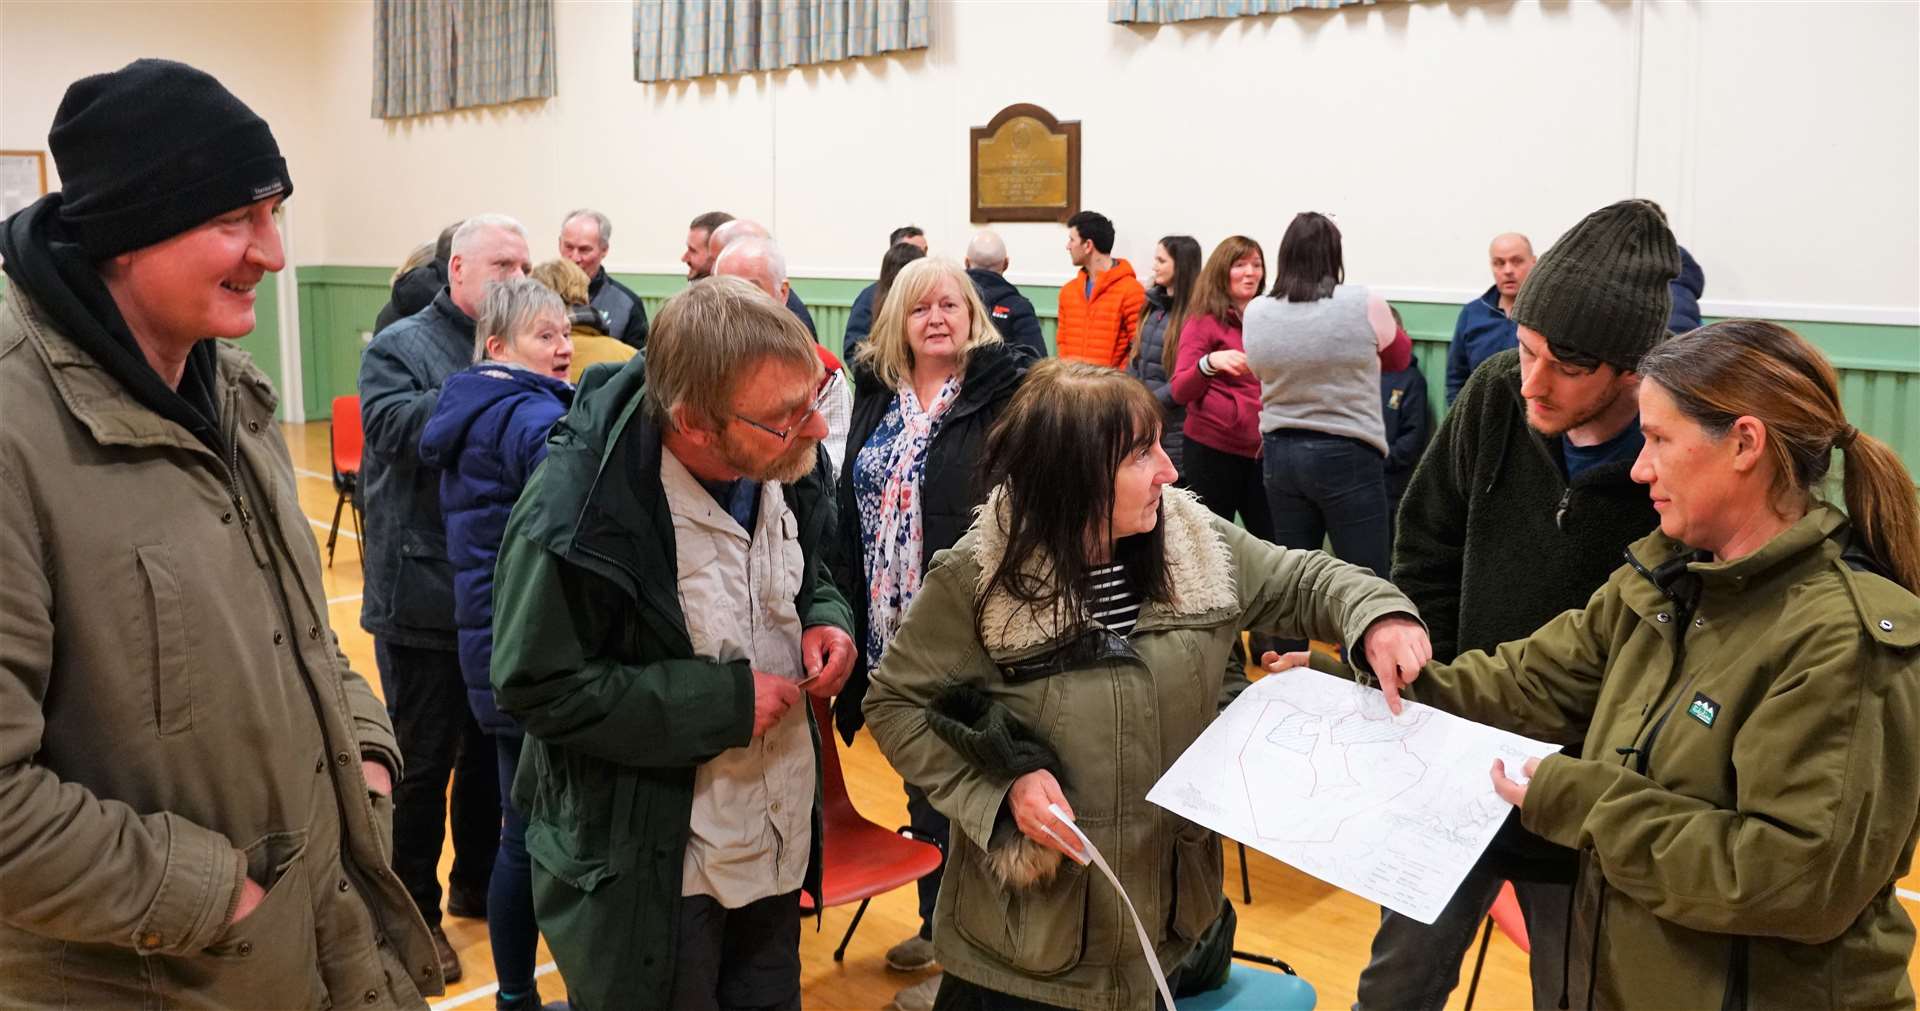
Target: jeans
point(1415, 966)
point(439, 740)
point(1329, 487)
point(511, 929)
point(931, 824)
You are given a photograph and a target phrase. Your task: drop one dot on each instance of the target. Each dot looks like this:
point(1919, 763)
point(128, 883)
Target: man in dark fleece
point(1520, 510)
point(1010, 311)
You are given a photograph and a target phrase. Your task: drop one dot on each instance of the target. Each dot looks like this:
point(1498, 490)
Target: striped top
point(1112, 599)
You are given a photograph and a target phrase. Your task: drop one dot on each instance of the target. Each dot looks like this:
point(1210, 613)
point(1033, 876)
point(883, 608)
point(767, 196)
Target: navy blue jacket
point(1408, 419)
point(1481, 332)
point(799, 308)
point(409, 586)
point(1687, 289)
point(1148, 364)
point(486, 435)
point(859, 321)
point(1011, 312)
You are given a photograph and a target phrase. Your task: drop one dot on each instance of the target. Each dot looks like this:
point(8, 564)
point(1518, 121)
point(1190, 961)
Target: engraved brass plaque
point(1025, 167)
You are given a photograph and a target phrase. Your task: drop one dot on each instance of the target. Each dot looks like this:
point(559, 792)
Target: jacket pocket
point(1040, 931)
point(423, 587)
point(167, 622)
point(1196, 882)
point(271, 958)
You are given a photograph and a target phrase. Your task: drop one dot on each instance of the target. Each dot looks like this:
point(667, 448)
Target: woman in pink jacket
point(1221, 394)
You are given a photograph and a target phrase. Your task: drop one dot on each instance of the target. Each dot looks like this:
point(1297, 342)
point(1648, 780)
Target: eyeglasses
point(783, 434)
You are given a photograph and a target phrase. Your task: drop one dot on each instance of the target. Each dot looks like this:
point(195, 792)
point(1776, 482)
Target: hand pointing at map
point(1396, 648)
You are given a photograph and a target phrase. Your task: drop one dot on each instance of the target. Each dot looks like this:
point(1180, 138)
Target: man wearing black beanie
point(194, 785)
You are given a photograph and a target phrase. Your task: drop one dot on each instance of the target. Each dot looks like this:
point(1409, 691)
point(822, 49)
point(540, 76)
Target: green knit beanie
point(1602, 290)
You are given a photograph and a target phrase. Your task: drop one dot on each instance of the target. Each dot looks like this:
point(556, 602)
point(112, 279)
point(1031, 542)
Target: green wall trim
point(1879, 365)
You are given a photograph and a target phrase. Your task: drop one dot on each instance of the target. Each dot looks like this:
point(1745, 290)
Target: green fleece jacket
point(591, 654)
point(1749, 790)
point(1493, 540)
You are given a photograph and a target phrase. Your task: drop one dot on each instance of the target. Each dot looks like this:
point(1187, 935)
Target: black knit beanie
point(1602, 290)
point(154, 149)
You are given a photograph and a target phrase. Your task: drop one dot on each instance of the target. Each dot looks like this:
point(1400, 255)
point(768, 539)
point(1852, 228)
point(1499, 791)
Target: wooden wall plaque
point(1024, 165)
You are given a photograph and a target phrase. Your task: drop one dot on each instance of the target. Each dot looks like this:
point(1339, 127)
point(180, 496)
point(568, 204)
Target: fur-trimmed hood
point(1199, 565)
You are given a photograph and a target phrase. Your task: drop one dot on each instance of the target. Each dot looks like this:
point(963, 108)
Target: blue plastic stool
point(1249, 988)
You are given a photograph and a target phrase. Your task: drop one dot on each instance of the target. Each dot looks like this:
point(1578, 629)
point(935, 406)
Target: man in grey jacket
point(408, 607)
point(193, 782)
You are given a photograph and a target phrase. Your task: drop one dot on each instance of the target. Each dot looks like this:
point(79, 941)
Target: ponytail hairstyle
point(1184, 251)
point(1751, 368)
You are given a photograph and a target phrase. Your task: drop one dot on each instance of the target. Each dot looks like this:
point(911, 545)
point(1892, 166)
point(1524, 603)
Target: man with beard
point(1520, 510)
point(660, 606)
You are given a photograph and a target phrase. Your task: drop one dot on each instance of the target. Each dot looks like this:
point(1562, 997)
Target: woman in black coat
point(928, 384)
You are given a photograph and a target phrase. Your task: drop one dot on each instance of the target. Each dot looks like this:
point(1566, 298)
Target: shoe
point(449, 959)
point(918, 997)
point(529, 1001)
point(911, 955)
point(467, 903)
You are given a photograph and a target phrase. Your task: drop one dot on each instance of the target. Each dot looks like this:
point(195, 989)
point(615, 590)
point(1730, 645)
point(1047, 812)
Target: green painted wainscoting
point(1879, 365)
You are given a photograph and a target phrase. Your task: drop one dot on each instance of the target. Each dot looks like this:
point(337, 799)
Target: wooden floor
point(1322, 931)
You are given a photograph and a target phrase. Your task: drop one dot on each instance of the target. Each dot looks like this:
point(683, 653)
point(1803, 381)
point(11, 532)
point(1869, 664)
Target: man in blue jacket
point(860, 316)
point(1484, 328)
point(1012, 313)
point(408, 606)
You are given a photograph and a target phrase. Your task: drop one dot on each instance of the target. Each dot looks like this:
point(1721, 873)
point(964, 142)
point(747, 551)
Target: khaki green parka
point(1749, 790)
point(175, 712)
point(1118, 712)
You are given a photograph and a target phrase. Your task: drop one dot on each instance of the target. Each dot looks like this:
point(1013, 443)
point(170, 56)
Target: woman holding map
point(1748, 686)
point(1060, 657)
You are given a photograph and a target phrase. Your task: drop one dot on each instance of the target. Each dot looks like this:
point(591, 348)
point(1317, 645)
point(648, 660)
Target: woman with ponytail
point(1748, 687)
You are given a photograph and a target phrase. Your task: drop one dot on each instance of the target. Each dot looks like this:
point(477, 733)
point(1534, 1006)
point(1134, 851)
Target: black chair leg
point(840, 953)
point(333, 532)
point(1486, 938)
point(1246, 883)
point(361, 537)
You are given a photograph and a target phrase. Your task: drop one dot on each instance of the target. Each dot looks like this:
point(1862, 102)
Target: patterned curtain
point(681, 39)
point(1153, 12)
point(435, 55)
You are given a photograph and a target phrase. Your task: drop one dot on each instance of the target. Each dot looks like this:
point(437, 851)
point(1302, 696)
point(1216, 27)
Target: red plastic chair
point(859, 859)
point(343, 440)
point(1506, 915)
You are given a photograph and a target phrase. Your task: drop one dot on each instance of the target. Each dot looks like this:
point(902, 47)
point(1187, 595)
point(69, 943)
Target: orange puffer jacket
point(1100, 329)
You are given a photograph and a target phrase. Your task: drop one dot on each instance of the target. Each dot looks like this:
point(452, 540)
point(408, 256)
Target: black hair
point(1095, 228)
point(902, 234)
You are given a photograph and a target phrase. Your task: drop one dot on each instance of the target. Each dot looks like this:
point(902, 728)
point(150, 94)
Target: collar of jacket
point(108, 410)
point(1199, 563)
point(1887, 612)
point(1159, 297)
point(601, 503)
point(445, 303)
point(1113, 275)
point(991, 368)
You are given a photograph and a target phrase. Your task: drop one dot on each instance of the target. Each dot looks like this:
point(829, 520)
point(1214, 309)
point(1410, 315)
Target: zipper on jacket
point(1560, 511)
point(232, 463)
point(1737, 972)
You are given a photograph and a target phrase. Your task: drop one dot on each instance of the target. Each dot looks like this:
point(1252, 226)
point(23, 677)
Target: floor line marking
point(348, 534)
point(486, 991)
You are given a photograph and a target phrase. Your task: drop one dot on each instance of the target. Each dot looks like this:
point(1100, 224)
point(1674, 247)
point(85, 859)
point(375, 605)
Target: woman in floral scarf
point(928, 384)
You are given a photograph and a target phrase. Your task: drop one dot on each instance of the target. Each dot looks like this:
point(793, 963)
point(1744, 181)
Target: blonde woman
point(929, 382)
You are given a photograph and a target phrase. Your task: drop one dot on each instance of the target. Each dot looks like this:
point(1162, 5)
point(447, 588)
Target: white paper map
point(1315, 771)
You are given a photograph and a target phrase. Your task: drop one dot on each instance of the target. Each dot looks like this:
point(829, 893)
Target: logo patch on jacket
point(1704, 709)
point(1002, 312)
point(1393, 399)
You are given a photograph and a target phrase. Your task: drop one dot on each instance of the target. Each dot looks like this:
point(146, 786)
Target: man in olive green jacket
point(608, 595)
point(193, 782)
point(1749, 791)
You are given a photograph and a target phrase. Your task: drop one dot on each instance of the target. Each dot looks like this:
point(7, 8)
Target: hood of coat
point(1199, 563)
point(465, 396)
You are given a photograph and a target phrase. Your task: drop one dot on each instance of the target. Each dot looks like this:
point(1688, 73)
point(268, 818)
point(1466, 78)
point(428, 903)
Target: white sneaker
point(918, 997)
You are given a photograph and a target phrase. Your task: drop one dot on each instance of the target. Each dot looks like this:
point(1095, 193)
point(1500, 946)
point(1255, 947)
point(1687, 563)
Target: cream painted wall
point(1783, 138)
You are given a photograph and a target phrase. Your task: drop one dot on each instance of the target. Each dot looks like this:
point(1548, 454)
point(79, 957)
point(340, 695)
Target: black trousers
point(1231, 484)
point(439, 740)
point(738, 959)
